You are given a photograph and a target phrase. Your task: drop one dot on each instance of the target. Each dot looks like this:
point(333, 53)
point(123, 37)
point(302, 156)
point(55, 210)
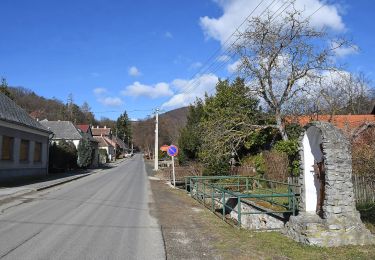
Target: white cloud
point(344, 51)
point(168, 35)
point(103, 98)
point(100, 91)
point(111, 101)
point(134, 71)
point(235, 11)
point(189, 90)
point(137, 89)
point(234, 67)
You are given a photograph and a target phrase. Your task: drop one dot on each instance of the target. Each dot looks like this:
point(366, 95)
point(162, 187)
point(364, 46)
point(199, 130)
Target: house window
point(38, 152)
point(7, 148)
point(24, 150)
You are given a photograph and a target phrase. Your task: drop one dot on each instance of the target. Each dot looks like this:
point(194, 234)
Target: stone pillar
point(340, 223)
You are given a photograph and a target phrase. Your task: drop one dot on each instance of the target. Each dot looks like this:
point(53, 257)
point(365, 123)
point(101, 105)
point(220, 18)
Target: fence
point(364, 189)
point(214, 191)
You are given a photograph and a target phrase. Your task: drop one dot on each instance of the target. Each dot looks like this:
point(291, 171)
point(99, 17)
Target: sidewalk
point(7, 194)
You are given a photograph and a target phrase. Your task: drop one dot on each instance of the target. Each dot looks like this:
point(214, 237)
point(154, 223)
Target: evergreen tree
point(84, 153)
point(123, 127)
point(4, 88)
point(190, 141)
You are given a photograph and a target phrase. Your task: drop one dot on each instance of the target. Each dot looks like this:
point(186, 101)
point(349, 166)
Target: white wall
point(312, 154)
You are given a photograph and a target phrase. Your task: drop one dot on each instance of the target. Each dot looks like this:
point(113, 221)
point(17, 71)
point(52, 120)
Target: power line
point(226, 53)
point(229, 49)
point(231, 76)
point(127, 111)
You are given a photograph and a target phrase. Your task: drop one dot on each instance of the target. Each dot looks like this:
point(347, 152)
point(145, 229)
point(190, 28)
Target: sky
point(141, 55)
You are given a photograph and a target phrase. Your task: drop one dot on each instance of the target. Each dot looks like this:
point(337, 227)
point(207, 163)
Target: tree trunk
point(280, 125)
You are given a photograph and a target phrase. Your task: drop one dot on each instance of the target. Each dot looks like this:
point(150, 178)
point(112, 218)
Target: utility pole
point(156, 152)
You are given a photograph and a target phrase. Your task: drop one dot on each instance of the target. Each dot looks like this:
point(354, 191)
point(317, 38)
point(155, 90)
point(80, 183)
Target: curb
point(62, 182)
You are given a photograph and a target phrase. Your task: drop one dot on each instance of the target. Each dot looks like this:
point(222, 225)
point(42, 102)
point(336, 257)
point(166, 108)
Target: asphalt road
point(102, 216)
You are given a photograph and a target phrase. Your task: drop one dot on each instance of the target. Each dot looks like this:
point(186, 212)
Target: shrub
point(62, 156)
point(277, 165)
point(290, 148)
point(84, 153)
point(257, 162)
point(363, 153)
point(293, 130)
point(216, 168)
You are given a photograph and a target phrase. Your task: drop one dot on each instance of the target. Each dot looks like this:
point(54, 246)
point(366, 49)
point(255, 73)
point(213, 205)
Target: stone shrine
point(327, 210)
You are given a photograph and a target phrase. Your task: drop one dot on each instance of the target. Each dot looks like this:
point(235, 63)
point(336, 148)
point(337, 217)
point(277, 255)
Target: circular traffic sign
point(172, 150)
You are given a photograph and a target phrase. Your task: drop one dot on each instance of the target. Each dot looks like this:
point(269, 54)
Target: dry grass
point(233, 243)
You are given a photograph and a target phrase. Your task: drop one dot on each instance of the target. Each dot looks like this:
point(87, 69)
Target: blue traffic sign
point(172, 150)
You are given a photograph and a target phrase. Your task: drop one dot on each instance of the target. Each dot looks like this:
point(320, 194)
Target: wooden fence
point(364, 189)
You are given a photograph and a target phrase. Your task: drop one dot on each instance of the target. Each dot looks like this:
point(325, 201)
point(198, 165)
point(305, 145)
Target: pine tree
point(123, 127)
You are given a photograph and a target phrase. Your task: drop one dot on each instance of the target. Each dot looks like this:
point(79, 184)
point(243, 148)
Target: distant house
point(104, 137)
point(66, 130)
point(121, 146)
point(24, 143)
point(105, 145)
point(63, 130)
point(101, 131)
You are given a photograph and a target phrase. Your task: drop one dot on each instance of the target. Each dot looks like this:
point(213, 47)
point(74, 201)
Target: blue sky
point(138, 55)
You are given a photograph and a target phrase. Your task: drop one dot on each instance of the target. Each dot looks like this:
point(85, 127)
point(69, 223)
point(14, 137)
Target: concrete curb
point(63, 182)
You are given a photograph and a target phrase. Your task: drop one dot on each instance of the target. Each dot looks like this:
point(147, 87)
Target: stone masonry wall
point(341, 223)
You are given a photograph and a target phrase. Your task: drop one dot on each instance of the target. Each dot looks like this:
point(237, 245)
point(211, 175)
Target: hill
point(51, 109)
point(170, 124)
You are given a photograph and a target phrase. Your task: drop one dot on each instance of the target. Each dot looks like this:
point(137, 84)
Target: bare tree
point(280, 57)
point(341, 92)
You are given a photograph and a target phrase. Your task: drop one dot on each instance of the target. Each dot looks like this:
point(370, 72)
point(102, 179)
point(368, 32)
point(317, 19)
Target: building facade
point(24, 143)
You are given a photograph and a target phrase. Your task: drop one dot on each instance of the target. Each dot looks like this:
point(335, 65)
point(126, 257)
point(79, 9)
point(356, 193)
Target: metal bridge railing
point(214, 191)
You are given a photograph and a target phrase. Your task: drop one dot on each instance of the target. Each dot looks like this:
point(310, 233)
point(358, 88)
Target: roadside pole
point(174, 175)
point(172, 152)
point(156, 152)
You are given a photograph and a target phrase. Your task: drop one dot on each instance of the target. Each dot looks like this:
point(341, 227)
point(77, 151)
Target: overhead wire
point(228, 50)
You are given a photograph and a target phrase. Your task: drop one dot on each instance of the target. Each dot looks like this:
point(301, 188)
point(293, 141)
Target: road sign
point(172, 150)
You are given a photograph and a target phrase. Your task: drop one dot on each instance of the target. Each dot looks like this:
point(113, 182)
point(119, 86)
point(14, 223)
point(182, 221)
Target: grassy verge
point(233, 243)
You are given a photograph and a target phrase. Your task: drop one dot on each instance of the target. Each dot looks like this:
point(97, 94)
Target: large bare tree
point(281, 55)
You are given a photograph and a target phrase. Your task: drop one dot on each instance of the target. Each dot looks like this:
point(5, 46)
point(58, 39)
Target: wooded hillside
point(170, 124)
point(52, 109)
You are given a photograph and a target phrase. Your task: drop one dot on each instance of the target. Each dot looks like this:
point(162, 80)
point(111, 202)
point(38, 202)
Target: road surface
point(102, 216)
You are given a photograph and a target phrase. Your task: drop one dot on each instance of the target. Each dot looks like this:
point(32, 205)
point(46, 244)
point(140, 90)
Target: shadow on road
point(17, 182)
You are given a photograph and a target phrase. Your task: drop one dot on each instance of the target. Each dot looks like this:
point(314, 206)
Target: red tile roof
point(112, 142)
point(102, 141)
point(84, 128)
point(100, 131)
point(344, 122)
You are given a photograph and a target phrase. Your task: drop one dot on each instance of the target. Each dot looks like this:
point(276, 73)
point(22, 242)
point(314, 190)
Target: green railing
point(271, 197)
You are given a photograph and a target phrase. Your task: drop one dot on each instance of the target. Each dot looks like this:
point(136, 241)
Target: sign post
point(173, 151)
